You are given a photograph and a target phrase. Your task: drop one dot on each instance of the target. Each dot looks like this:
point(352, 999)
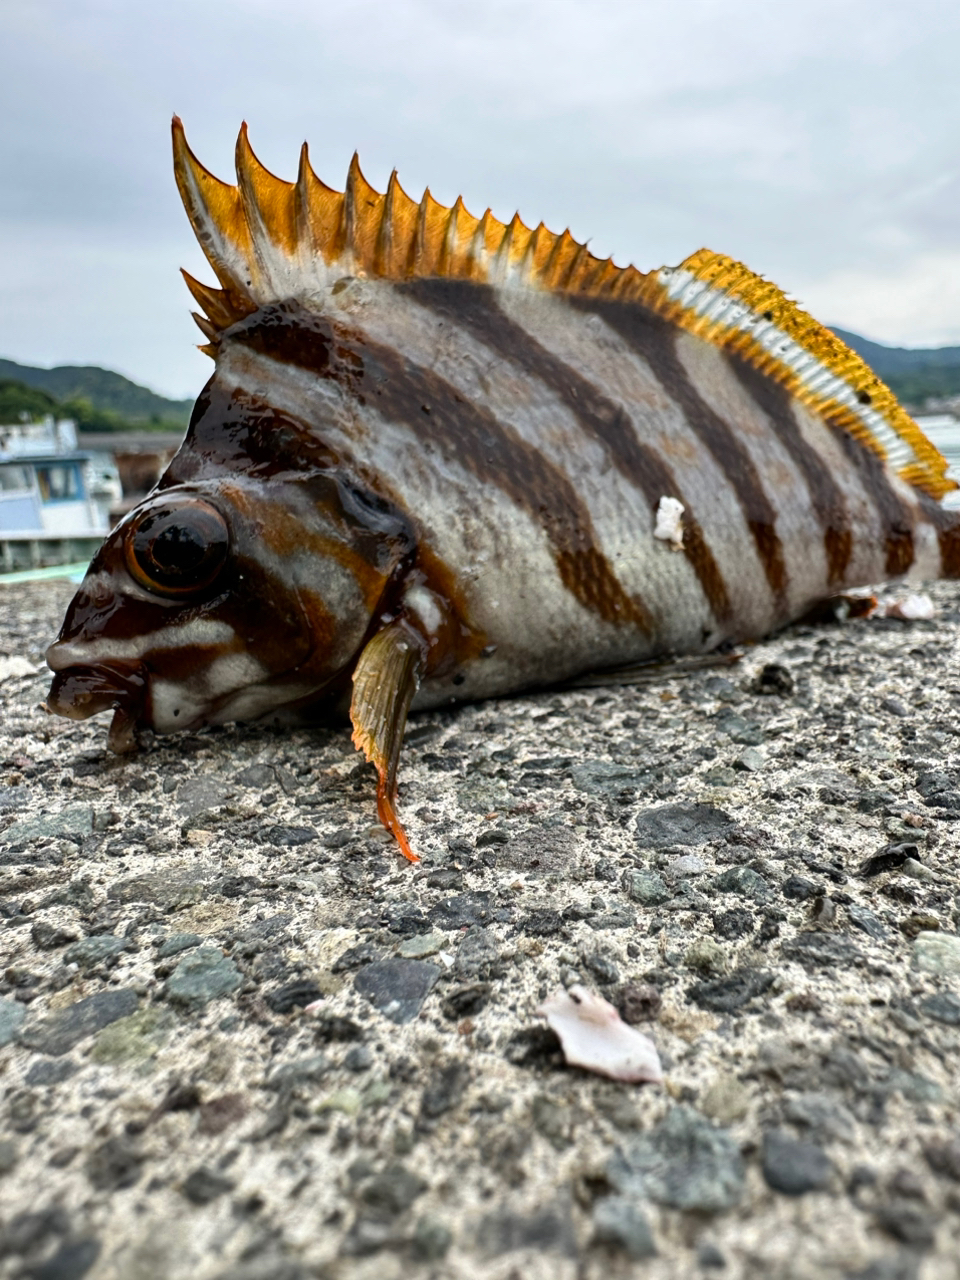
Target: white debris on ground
point(669, 522)
point(10, 668)
point(916, 607)
point(594, 1036)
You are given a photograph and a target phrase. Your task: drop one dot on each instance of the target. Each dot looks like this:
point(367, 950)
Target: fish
point(445, 458)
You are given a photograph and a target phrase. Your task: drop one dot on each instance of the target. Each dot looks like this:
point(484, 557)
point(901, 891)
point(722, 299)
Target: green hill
point(915, 374)
point(98, 399)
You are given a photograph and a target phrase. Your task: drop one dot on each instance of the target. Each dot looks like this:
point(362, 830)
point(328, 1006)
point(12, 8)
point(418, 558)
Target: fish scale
point(442, 457)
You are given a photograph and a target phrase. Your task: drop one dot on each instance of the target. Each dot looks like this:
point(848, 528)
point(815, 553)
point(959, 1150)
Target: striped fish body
point(440, 458)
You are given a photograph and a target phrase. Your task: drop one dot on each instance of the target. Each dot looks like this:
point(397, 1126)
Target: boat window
point(58, 484)
point(15, 480)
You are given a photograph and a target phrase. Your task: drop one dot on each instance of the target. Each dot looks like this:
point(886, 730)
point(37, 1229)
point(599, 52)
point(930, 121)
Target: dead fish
point(444, 458)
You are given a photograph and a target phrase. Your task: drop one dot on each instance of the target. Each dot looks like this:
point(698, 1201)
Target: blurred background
point(818, 141)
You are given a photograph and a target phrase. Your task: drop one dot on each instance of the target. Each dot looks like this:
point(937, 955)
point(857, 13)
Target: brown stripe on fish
point(947, 525)
point(401, 391)
point(472, 306)
point(896, 518)
point(654, 340)
point(825, 494)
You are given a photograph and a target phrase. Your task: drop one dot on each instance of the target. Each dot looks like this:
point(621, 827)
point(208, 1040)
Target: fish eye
point(178, 546)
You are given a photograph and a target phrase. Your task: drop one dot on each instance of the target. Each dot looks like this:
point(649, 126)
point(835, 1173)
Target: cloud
point(815, 141)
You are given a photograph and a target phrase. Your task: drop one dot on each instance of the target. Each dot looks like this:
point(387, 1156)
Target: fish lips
point(79, 691)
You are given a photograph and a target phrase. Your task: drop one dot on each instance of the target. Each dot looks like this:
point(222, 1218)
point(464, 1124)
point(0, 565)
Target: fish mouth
point(78, 692)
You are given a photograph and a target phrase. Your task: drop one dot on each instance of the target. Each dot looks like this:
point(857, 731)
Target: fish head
point(225, 598)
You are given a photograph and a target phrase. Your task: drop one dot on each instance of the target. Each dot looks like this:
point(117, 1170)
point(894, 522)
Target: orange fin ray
point(384, 683)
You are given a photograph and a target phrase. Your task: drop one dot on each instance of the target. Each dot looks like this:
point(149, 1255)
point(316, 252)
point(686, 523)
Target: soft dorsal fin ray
point(269, 240)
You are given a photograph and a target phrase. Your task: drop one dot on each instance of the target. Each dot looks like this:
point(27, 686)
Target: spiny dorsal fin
point(727, 304)
point(260, 234)
point(268, 240)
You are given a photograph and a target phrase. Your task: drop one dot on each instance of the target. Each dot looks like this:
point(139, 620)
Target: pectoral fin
point(384, 682)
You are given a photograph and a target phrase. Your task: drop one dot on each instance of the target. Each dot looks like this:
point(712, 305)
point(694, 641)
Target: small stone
point(794, 1167)
point(177, 885)
point(463, 910)
point(219, 1114)
point(431, 1240)
point(866, 920)
point(683, 1162)
point(820, 949)
point(358, 1059)
point(549, 1229)
point(356, 957)
point(542, 922)
point(444, 1090)
point(942, 1007)
point(602, 968)
point(47, 1071)
point(720, 775)
point(302, 1071)
point(706, 956)
point(917, 871)
point(94, 951)
point(619, 1223)
point(397, 987)
point(48, 937)
point(133, 1039)
point(8, 1156)
point(646, 887)
point(540, 851)
point(421, 945)
point(388, 1194)
point(294, 995)
point(638, 1002)
point(799, 889)
point(12, 1015)
point(478, 956)
point(601, 778)
point(205, 975)
point(204, 1186)
point(710, 1258)
point(744, 881)
point(822, 1114)
point(683, 824)
point(685, 867)
point(466, 1001)
point(115, 1164)
point(773, 679)
point(936, 953)
point(74, 822)
point(731, 993)
point(734, 924)
point(907, 1223)
point(750, 760)
point(176, 943)
point(726, 1100)
point(943, 1156)
point(59, 1033)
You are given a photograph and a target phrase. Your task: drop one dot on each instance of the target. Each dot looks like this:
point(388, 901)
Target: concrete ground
point(243, 1040)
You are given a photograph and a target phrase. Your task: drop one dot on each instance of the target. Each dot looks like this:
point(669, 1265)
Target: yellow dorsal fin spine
point(267, 239)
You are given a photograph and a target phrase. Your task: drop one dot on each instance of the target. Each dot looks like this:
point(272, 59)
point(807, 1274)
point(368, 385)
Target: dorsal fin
point(724, 302)
point(268, 240)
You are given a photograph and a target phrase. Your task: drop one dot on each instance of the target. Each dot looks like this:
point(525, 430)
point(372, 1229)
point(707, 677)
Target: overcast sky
point(818, 142)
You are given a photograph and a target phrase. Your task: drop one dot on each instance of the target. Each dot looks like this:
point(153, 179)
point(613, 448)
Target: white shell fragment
point(911, 608)
point(594, 1036)
point(668, 526)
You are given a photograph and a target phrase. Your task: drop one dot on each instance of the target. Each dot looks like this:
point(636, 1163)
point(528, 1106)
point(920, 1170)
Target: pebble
point(936, 953)
point(90, 952)
point(72, 822)
point(942, 1007)
point(12, 1015)
point(176, 943)
point(46, 1071)
point(478, 956)
point(646, 887)
point(726, 1100)
point(744, 881)
point(601, 778)
point(397, 987)
point(683, 824)
point(683, 1162)
point(421, 945)
point(820, 949)
point(203, 1186)
point(750, 760)
point(60, 1032)
point(730, 994)
point(706, 956)
point(619, 1223)
point(205, 975)
point(462, 910)
point(548, 1230)
point(794, 1167)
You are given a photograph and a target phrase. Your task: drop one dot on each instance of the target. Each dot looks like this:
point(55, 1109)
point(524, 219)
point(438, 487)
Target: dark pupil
point(178, 551)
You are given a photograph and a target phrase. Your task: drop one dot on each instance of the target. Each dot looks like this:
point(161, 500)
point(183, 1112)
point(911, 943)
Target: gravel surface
point(243, 1040)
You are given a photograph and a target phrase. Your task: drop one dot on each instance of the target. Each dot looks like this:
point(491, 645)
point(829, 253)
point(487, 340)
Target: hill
point(99, 399)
